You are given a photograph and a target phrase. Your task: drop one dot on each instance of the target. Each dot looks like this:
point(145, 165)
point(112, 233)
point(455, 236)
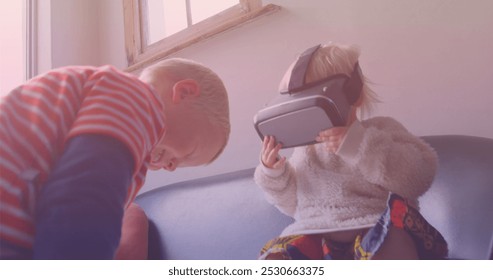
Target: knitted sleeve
point(389, 156)
point(279, 187)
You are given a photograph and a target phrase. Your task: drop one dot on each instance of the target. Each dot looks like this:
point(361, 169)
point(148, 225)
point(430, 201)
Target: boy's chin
point(154, 167)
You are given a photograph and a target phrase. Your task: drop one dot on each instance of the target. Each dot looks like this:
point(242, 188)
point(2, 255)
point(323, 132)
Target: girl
point(355, 193)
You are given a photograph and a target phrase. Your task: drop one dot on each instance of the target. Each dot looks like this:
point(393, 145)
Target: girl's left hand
point(332, 137)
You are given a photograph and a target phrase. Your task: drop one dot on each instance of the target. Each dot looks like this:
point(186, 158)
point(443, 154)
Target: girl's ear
point(359, 101)
point(185, 89)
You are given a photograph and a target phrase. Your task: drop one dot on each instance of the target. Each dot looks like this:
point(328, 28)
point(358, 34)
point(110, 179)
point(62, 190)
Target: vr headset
point(296, 117)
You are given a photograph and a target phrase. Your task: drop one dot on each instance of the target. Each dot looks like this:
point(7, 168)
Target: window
point(155, 29)
point(167, 17)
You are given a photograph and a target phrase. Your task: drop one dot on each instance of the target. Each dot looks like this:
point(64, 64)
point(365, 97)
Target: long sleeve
point(80, 208)
point(389, 156)
point(279, 187)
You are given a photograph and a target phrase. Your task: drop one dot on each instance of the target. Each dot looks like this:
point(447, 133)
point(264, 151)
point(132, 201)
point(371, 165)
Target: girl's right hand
point(270, 153)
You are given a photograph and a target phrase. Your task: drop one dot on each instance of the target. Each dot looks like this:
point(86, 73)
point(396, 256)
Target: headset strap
point(352, 87)
point(297, 79)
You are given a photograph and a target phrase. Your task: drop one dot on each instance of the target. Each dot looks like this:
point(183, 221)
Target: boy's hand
point(332, 137)
point(270, 153)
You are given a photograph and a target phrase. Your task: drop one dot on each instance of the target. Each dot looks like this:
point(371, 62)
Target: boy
point(77, 142)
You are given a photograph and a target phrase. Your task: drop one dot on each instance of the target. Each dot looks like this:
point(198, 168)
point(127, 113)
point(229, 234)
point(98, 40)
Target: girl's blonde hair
point(331, 59)
point(213, 99)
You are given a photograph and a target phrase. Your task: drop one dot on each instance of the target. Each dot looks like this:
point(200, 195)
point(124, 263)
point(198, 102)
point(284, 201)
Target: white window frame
point(140, 54)
point(31, 39)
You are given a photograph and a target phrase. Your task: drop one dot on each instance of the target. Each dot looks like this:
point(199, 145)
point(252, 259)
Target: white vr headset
point(296, 117)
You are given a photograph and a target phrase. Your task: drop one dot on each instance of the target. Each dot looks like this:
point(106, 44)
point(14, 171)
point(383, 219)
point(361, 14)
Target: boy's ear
point(185, 89)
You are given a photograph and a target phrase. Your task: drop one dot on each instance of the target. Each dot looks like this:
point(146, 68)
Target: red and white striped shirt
point(37, 118)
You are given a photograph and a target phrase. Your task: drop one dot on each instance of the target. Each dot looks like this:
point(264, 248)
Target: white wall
point(430, 62)
point(80, 32)
point(11, 65)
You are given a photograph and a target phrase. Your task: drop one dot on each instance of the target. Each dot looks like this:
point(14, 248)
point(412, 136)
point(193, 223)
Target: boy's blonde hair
point(213, 99)
point(331, 59)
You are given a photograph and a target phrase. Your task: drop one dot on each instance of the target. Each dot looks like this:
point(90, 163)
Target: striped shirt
point(37, 118)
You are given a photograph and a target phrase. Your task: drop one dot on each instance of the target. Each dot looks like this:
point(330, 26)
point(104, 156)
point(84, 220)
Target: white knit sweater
point(328, 192)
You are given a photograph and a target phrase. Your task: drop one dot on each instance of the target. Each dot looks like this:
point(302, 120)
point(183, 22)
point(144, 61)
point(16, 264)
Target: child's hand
point(332, 137)
point(270, 153)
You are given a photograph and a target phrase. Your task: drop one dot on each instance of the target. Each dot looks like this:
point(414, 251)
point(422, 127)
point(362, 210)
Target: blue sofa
point(226, 216)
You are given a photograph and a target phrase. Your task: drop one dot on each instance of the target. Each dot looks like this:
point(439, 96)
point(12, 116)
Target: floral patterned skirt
point(429, 243)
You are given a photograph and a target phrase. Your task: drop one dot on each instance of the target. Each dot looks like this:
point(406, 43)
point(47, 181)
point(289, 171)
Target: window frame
point(139, 54)
point(31, 39)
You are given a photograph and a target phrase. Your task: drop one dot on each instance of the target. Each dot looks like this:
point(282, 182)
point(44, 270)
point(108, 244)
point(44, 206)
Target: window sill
point(139, 58)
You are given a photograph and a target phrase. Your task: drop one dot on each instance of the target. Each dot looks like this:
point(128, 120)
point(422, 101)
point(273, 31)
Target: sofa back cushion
point(460, 201)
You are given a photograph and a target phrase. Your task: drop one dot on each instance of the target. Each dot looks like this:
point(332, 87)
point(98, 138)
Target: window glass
point(203, 9)
point(167, 17)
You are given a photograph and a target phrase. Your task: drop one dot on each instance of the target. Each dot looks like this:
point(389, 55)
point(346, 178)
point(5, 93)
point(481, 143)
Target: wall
point(80, 32)
point(11, 66)
point(429, 61)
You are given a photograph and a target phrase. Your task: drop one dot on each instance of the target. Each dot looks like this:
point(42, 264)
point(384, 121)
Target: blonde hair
point(331, 59)
point(213, 99)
